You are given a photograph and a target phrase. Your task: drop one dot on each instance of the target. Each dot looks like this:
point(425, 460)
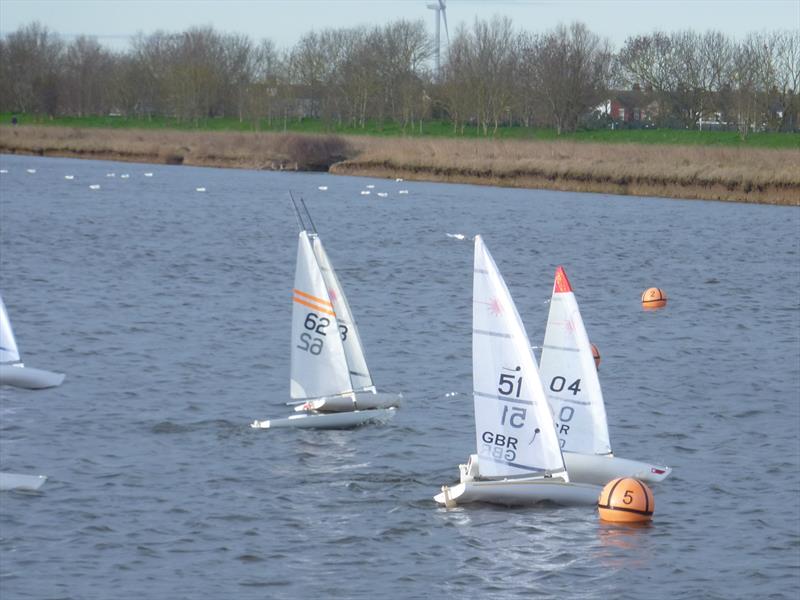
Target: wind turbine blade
point(444, 17)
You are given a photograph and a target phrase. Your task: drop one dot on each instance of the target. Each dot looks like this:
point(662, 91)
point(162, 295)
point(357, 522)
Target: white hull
point(29, 378)
point(18, 481)
point(519, 492)
point(334, 420)
point(599, 469)
point(363, 401)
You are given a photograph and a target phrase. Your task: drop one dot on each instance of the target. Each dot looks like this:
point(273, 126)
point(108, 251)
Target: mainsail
point(513, 424)
point(570, 376)
point(319, 365)
point(9, 353)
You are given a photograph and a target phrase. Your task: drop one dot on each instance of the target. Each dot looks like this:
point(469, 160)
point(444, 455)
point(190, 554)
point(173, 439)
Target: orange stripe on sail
point(312, 298)
point(315, 307)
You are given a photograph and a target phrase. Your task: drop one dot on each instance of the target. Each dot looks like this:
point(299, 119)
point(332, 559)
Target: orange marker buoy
point(596, 355)
point(626, 500)
point(654, 298)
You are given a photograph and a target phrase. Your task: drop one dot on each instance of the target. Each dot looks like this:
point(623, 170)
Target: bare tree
point(786, 60)
point(571, 71)
point(749, 76)
point(87, 82)
point(31, 69)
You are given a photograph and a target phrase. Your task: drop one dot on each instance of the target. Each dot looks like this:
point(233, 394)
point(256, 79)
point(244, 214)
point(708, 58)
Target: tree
point(571, 73)
point(31, 68)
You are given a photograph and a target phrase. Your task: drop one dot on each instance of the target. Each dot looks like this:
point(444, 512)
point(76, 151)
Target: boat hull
point(21, 482)
point(333, 420)
point(519, 492)
point(599, 470)
point(29, 378)
point(363, 401)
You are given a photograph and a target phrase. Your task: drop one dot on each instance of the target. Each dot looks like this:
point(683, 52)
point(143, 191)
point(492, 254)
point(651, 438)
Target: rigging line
point(310, 220)
point(297, 214)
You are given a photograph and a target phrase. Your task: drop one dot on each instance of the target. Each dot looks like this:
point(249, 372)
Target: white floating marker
point(148, 174)
point(70, 177)
point(3, 171)
point(200, 189)
point(457, 236)
point(323, 188)
point(94, 186)
point(31, 170)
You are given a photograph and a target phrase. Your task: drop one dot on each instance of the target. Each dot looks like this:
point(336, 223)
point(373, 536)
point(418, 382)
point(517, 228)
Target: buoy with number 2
point(626, 500)
point(654, 298)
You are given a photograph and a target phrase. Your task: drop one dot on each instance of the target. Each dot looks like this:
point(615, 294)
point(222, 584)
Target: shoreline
point(762, 176)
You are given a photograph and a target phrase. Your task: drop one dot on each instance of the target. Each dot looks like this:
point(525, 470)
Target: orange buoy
point(596, 356)
point(654, 298)
point(626, 500)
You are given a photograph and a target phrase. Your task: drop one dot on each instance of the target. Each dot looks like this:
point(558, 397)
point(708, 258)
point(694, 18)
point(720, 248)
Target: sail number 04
point(558, 383)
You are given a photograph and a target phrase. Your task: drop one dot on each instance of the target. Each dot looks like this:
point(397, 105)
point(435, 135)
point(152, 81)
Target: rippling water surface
point(169, 309)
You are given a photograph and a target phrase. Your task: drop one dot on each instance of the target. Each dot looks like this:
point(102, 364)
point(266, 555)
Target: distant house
point(632, 107)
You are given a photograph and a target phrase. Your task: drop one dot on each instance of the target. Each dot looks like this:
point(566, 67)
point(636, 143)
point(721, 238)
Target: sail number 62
point(316, 324)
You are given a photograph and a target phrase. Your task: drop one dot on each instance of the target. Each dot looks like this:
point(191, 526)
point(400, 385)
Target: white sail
point(570, 377)
point(513, 424)
point(319, 366)
point(354, 351)
point(9, 353)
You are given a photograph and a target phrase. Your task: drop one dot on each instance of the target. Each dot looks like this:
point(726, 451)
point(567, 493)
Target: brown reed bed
point(693, 172)
point(701, 172)
point(209, 149)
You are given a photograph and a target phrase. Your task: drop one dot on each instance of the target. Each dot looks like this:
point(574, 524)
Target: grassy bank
point(708, 171)
point(427, 129)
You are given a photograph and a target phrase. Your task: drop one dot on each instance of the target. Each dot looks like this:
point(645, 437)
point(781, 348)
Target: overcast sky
point(113, 22)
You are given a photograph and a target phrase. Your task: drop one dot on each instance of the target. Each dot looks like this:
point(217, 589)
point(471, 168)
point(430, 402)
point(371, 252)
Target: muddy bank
point(702, 172)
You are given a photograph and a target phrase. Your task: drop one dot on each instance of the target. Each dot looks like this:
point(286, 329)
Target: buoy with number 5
point(626, 500)
point(654, 298)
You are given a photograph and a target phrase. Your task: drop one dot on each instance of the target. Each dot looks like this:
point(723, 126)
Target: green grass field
point(430, 129)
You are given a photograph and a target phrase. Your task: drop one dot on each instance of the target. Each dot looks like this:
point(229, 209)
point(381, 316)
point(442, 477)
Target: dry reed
point(704, 172)
point(212, 149)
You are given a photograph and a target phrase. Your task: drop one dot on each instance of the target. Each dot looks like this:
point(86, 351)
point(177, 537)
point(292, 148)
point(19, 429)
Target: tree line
point(492, 75)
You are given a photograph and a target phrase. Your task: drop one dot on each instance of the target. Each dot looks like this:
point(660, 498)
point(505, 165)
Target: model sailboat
point(20, 482)
point(573, 390)
point(12, 370)
point(331, 386)
point(519, 460)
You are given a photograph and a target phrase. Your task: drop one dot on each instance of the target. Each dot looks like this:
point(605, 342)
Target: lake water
point(169, 309)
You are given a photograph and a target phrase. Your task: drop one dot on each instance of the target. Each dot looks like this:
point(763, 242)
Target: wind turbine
point(441, 13)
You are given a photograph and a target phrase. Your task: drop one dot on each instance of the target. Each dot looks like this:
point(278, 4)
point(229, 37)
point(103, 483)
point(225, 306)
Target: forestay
point(8, 345)
point(319, 366)
point(570, 376)
point(354, 352)
point(513, 423)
